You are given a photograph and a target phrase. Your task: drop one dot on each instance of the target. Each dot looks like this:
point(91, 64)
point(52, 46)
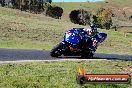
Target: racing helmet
point(92, 30)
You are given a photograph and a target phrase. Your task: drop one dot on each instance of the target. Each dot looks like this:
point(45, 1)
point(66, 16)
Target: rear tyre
point(87, 54)
point(57, 50)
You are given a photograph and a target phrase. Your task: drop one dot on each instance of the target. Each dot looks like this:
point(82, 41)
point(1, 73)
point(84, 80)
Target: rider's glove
point(95, 42)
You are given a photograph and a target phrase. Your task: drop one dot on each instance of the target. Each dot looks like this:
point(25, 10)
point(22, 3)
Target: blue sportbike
point(74, 44)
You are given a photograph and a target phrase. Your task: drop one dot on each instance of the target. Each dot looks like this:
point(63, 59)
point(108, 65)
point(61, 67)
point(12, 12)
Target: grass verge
point(59, 74)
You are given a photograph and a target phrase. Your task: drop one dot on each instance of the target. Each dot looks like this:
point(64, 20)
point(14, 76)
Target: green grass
point(23, 30)
point(117, 42)
point(68, 6)
point(59, 74)
point(93, 6)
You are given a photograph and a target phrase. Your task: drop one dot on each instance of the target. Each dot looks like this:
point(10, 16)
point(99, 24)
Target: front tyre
point(57, 50)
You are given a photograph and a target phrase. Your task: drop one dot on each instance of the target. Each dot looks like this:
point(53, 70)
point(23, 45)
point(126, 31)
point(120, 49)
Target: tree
point(80, 16)
point(104, 18)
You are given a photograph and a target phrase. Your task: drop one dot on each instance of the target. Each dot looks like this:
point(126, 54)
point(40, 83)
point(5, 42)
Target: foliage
point(104, 18)
point(80, 16)
point(37, 6)
point(53, 11)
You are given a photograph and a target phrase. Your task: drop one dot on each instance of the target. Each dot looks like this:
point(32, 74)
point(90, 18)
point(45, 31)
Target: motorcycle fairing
point(100, 37)
point(71, 37)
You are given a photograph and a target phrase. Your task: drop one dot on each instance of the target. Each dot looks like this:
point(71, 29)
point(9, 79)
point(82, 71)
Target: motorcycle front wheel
point(57, 50)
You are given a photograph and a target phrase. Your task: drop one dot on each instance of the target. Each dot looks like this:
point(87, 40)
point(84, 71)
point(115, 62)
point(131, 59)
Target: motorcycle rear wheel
point(87, 54)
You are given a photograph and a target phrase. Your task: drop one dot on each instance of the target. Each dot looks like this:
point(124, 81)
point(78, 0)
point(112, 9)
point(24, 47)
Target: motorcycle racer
point(79, 42)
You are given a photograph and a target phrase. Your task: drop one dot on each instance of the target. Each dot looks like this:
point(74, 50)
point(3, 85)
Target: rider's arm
point(99, 38)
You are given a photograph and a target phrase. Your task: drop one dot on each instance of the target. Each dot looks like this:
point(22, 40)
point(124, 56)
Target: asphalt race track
point(7, 55)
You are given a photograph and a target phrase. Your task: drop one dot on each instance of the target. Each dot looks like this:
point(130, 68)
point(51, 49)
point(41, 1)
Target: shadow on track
point(103, 56)
point(114, 57)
